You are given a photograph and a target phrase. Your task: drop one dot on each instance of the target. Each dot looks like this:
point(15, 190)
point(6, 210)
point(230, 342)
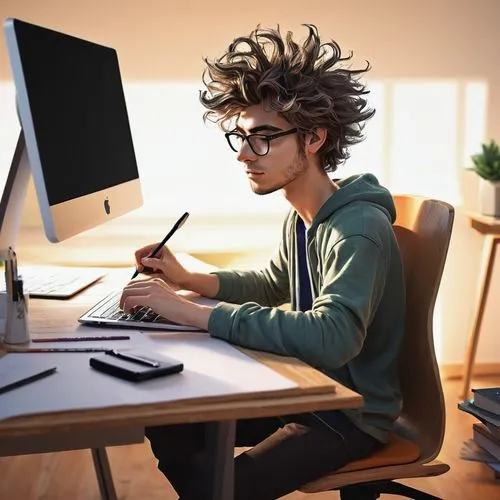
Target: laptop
point(107, 312)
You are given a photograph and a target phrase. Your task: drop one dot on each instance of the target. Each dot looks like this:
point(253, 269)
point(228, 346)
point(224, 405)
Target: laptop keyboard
point(109, 309)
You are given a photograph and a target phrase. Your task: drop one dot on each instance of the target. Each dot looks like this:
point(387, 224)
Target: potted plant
point(487, 166)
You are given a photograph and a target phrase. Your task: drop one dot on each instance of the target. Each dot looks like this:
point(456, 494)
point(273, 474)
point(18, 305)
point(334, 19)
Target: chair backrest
point(423, 229)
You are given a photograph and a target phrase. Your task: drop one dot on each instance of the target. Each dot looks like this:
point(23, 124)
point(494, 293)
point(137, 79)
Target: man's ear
point(314, 140)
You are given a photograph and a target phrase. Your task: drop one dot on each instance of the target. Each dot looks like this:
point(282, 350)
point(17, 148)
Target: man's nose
point(246, 154)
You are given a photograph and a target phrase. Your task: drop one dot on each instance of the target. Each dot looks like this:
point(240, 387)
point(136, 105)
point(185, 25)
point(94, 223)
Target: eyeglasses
point(259, 143)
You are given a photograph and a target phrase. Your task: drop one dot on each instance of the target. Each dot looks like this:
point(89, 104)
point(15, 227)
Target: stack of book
point(485, 406)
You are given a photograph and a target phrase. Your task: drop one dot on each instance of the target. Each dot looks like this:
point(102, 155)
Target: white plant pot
point(489, 197)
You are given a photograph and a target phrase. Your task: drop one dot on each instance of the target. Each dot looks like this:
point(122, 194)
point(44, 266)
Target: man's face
point(283, 164)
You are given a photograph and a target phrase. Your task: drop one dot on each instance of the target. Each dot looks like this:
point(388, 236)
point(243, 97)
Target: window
point(420, 137)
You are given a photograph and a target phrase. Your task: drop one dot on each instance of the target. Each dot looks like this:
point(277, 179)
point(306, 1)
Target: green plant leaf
point(487, 163)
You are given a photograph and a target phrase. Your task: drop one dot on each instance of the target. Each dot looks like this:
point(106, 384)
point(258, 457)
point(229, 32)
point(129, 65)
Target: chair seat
point(398, 451)
point(377, 474)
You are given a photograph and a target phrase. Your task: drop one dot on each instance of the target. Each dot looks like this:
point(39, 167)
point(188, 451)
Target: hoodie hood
point(358, 188)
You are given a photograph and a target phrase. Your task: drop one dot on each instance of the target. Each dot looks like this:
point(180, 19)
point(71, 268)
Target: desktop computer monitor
point(75, 132)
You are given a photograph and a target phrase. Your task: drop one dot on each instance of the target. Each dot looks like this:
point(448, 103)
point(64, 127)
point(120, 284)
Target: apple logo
point(107, 208)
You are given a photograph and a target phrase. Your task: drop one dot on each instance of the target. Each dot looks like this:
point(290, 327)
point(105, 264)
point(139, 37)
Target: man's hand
point(163, 300)
point(164, 265)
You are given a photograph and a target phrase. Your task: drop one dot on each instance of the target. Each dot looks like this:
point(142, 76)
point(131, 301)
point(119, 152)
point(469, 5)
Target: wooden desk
point(490, 227)
point(97, 428)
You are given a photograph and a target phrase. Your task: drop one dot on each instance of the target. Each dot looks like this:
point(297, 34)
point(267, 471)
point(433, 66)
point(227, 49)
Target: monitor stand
point(14, 194)
point(15, 323)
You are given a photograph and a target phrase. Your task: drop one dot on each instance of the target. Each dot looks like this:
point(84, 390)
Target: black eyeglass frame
point(267, 138)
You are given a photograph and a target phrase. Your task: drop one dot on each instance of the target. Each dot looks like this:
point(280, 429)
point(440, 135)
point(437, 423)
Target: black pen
point(133, 358)
point(9, 279)
point(175, 227)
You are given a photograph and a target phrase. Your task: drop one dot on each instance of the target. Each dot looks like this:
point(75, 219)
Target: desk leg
point(488, 259)
point(220, 458)
point(103, 473)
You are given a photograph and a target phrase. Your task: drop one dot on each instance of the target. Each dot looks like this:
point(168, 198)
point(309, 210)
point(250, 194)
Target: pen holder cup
point(16, 320)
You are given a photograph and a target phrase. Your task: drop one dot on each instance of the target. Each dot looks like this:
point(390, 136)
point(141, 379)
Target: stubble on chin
point(292, 172)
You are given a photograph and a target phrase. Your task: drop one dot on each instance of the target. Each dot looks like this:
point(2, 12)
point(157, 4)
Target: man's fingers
point(152, 263)
point(141, 291)
point(135, 289)
point(133, 302)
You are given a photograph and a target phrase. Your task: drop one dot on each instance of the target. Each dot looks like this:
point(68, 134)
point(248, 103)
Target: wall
point(159, 40)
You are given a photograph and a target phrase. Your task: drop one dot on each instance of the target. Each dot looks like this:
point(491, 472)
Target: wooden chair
point(423, 229)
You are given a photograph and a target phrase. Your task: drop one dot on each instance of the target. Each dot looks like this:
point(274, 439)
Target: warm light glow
point(422, 134)
point(424, 141)
point(474, 120)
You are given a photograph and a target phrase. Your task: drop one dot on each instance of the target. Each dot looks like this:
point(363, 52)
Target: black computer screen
point(79, 114)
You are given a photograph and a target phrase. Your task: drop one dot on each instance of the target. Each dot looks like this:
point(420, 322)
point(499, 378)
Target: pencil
point(80, 339)
point(58, 349)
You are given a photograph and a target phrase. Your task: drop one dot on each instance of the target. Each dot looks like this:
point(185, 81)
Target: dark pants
point(286, 453)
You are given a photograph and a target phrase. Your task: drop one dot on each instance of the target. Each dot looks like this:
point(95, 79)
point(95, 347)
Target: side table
point(490, 227)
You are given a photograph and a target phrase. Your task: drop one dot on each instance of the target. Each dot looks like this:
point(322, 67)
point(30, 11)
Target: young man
point(290, 112)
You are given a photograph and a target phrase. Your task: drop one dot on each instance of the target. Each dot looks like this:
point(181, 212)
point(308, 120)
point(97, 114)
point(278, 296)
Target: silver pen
point(133, 358)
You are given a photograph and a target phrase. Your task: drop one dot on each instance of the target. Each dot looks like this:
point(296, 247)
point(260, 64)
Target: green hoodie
point(354, 330)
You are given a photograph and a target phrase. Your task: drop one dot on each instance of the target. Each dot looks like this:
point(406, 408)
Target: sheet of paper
point(211, 368)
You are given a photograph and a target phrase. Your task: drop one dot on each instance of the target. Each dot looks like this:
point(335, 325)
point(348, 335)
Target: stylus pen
point(58, 349)
point(27, 380)
point(133, 358)
point(175, 227)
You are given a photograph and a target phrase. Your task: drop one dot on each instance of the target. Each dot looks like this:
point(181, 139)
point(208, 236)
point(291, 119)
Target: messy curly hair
point(306, 84)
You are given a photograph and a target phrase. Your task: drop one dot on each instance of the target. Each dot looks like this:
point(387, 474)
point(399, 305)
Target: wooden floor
point(70, 475)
